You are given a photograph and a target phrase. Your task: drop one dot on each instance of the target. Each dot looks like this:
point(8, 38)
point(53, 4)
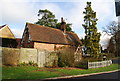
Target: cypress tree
point(92, 37)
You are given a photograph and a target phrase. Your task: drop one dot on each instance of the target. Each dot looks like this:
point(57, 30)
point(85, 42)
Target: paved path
point(116, 61)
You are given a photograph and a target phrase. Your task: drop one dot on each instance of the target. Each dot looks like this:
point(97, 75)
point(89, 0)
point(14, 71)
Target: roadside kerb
point(75, 76)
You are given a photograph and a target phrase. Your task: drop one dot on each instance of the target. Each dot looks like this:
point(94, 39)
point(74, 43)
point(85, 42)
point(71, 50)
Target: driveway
point(116, 61)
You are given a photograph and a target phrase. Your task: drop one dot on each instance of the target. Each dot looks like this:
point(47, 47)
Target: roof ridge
point(49, 27)
point(46, 27)
point(3, 26)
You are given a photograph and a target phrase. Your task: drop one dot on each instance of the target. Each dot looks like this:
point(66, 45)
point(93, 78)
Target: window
point(29, 39)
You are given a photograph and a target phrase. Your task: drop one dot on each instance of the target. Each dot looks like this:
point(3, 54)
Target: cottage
point(7, 37)
point(51, 39)
point(5, 32)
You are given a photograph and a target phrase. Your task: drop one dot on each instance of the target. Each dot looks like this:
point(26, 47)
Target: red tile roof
point(51, 35)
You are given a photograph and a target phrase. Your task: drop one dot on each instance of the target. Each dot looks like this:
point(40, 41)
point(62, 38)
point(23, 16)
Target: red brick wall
point(27, 44)
point(49, 47)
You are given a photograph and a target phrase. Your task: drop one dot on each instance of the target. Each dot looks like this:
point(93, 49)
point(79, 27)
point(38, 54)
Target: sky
point(15, 13)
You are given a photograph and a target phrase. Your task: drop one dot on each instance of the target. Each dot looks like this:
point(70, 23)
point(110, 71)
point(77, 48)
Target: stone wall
point(10, 56)
point(0, 64)
point(51, 59)
point(14, 56)
point(0, 56)
point(27, 55)
point(66, 56)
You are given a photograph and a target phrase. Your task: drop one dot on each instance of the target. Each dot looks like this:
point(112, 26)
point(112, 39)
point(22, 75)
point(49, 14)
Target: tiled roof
point(40, 33)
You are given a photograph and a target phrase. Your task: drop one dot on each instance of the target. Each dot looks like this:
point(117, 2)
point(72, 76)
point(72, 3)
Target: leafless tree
point(114, 29)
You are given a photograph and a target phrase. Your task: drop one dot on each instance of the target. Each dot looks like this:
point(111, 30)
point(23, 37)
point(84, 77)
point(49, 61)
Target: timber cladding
point(5, 32)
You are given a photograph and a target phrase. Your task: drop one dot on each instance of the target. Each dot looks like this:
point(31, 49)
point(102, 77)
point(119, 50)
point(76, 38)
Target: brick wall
point(48, 47)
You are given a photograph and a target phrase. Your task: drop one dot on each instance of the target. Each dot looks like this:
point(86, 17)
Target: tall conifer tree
point(92, 37)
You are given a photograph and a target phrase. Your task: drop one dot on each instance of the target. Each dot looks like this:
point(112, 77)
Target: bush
point(66, 57)
point(110, 55)
point(30, 63)
point(92, 59)
point(82, 64)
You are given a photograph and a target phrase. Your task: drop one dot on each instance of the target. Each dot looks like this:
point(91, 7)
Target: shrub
point(82, 64)
point(30, 63)
point(66, 57)
point(92, 59)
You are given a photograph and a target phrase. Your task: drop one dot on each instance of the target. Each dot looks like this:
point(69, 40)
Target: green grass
point(116, 58)
point(26, 72)
point(30, 72)
point(87, 71)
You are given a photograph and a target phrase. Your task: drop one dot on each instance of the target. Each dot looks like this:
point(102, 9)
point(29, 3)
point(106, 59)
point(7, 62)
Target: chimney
point(63, 25)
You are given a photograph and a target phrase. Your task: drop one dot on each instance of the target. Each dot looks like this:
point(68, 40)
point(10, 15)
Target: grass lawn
point(30, 72)
point(116, 58)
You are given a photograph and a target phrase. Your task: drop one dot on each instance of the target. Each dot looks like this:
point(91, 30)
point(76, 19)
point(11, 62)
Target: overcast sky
point(15, 13)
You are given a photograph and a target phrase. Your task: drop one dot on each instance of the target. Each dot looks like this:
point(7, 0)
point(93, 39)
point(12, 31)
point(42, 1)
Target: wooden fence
point(99, 64)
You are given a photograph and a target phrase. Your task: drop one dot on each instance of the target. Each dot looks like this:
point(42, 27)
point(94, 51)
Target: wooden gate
point(41, 58)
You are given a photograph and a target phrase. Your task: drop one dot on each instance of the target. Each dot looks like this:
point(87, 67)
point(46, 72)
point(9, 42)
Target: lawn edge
point(82, 75)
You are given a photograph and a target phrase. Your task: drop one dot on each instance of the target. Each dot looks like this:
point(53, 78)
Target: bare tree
point(114, 29)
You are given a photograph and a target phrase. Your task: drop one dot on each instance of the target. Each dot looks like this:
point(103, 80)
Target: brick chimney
point(63, 25)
